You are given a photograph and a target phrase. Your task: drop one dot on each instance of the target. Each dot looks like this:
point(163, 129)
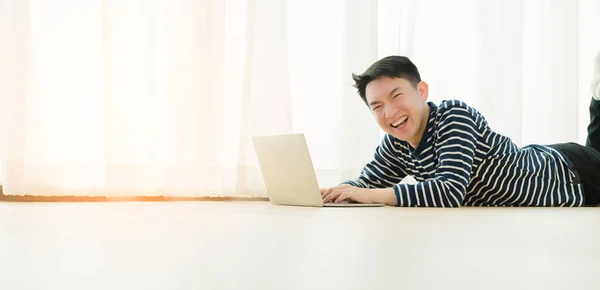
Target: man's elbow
point(455, 202)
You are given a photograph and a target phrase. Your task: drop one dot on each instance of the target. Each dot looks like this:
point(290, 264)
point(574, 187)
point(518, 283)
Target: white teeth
point(395, 124)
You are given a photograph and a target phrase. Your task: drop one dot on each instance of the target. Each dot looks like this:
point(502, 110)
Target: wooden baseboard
point(33, 198)
point(37, 198)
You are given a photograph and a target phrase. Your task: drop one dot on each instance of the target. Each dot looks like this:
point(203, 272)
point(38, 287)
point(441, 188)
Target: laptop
point(288, 172)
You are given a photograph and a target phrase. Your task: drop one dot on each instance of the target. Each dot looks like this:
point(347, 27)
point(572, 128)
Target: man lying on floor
point(456, 157)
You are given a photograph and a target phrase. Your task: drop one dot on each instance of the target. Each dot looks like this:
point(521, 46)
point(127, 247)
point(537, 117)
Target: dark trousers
point(585, 160)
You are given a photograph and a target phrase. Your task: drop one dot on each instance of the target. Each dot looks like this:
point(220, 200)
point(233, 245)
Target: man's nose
point(390, 112)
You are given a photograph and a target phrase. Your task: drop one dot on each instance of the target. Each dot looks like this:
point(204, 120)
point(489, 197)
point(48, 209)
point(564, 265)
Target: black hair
point(392, 66)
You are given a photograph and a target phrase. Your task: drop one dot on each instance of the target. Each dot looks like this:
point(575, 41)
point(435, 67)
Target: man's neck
point(417, 140)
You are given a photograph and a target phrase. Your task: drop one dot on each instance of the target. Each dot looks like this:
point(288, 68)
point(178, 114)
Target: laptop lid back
point(287, 170)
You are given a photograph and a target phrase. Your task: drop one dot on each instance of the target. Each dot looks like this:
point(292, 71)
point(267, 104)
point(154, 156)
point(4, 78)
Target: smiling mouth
point(399, 123)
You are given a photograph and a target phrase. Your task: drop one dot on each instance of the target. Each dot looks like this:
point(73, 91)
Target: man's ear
point(423, 89)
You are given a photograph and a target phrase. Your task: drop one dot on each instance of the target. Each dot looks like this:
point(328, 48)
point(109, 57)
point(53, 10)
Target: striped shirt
point(462, 162)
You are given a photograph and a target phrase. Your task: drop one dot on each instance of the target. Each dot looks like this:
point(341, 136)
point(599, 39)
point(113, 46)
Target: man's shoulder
point(452, 107)
point(451, 113)
point(449, 105)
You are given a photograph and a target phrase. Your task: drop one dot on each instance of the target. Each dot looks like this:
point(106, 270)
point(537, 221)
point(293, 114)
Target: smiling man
point(456, 157)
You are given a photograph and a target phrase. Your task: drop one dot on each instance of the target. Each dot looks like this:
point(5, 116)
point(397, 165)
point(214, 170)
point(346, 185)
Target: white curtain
point(122, 98)
point(526, 65)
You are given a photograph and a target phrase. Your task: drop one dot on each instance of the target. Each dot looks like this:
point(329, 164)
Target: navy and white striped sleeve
point(383, 171)
point(454, 149)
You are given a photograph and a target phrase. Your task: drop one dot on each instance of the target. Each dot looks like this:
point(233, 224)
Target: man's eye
point(395, 96)
point(376, 108)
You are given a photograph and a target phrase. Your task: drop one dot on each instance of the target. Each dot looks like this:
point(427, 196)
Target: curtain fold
point(359, 134)
point(266, 101)
point(125, 98)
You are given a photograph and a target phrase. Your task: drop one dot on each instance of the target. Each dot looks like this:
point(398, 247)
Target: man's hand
point(361, 195)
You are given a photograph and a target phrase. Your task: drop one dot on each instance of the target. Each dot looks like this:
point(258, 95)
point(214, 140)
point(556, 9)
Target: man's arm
point(374, 185)
point(455, 150)
point(384, 171)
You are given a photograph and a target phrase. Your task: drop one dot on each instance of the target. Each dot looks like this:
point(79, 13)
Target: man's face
point(399, 108)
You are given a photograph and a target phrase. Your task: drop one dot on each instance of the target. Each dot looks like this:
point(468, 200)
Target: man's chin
point(401, 137)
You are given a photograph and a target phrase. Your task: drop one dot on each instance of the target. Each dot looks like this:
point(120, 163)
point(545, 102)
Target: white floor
point(254, 245)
